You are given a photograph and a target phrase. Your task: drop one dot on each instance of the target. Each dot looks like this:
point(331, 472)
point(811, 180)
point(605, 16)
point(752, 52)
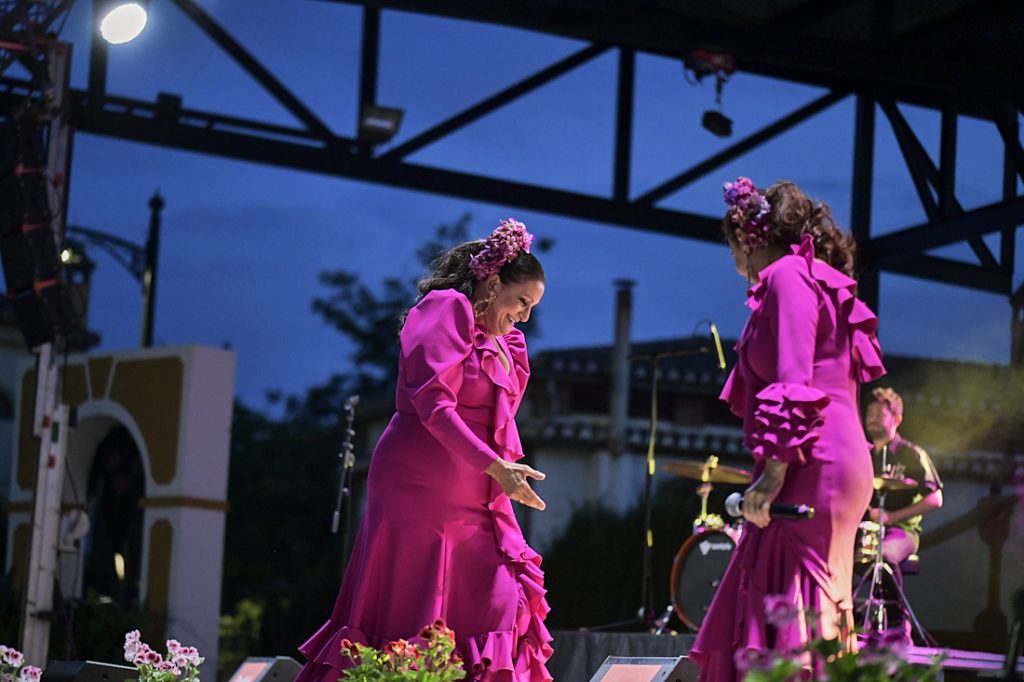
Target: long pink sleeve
point(788, 409)
point(436, 340)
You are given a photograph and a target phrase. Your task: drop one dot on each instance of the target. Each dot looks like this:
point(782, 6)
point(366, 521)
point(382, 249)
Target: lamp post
point(140, 261)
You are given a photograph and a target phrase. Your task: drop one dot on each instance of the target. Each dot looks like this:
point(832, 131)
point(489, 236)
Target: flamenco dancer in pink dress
point(439, 539)
point(807, 345)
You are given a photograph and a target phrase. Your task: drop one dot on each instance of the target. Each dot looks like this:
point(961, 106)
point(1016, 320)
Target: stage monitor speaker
point(279, 669)
point(88, 671)
point(646, 669)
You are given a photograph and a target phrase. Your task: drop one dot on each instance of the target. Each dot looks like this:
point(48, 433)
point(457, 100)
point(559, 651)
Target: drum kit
point(701, 561)
point(879, 575)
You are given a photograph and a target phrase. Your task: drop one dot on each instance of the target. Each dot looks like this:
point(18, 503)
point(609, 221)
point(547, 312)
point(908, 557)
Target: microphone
point(718, 346)
point(734, 502)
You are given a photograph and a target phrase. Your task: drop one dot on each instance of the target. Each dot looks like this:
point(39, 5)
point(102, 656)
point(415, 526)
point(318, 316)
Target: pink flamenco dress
point(807, 345)
point(438, 538)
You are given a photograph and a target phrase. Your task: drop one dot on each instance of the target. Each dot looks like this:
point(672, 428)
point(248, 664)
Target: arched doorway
point(112, 557)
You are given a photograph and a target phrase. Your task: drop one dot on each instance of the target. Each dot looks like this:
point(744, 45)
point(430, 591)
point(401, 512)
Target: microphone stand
point(646, 614)
point(346, 468)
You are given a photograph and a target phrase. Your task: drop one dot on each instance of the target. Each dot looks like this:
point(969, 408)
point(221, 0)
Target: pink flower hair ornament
point(507, 241)
point(750, 211)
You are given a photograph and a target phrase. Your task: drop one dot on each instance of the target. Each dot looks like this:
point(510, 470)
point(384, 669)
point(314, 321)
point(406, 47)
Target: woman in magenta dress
point(807, 345)
point(438, 538)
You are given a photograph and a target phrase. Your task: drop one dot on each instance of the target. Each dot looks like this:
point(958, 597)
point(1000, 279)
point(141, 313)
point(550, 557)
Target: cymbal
point(696, 470)
point(890, 484)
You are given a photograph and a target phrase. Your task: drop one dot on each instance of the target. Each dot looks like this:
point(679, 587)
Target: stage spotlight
point(122, 21)
point(717, 123)
point(379, 124)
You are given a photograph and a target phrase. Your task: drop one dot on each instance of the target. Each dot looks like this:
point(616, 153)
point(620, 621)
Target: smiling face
point(512, 305)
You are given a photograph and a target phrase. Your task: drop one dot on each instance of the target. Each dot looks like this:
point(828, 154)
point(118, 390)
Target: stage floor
point(578, 654)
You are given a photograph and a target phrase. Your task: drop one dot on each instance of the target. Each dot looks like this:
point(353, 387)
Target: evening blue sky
point(243, 244)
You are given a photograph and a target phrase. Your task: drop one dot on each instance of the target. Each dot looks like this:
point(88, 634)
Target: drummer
point(903, 508)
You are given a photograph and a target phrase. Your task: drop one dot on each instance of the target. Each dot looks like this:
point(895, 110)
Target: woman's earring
point(480, 307)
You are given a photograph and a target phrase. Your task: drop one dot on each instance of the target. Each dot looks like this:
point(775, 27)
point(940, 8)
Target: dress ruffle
point(515, 655)
point(867, 355)
point(742, 609)
point(866, 362)
point(520, 654)
point(786, 420)
point(323, 650)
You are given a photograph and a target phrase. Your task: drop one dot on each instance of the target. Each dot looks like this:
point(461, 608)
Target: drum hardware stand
point(346, 467)
point(645, 614)
point(874, 607)
point(703, 522)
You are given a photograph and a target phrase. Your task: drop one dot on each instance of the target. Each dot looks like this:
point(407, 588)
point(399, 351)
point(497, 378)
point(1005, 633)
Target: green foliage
point(279, 554)
point(429, 658)
point(239, 635)
point(871, 664)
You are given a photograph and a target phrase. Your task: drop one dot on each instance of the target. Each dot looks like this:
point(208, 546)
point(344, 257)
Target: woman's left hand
point(514, 481)
point(758, 497)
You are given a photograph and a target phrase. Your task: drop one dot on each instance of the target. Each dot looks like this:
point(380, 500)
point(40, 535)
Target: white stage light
point(123, 22)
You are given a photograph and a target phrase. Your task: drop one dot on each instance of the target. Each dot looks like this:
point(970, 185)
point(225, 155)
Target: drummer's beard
point(876, 432)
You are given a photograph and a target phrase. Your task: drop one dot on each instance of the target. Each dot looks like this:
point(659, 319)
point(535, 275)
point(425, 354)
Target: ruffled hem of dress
point(786, 420)
point(522, 655)
point(323, 651)
point(753, 638)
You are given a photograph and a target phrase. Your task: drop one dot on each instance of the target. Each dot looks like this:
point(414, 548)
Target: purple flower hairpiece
point(501, 248)
point(750, 211)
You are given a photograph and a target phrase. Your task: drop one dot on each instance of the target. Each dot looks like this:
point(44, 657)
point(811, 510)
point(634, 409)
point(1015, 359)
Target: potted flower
point(13, 668)
point(430, 657)
point(180, 664)
point(880, 658)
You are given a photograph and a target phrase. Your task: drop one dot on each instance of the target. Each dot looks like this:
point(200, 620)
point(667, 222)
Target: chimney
point(619, 398)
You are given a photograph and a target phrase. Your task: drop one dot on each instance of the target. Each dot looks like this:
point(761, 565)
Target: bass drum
point(696, 573)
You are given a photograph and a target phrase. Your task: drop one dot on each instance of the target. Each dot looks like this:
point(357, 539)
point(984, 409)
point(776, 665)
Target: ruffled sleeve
point(436, 340)
point(787, 412)
point(516, 343)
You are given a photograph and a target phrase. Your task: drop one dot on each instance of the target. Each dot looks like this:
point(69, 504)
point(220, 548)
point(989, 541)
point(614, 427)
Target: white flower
point(173, 646)
point(7, 677)
point(132, 636)
point(13, 657)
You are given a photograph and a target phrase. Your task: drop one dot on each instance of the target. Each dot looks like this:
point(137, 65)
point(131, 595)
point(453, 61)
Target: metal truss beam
point(253, 67)
point(957, 273)
point(927, 176)
point(875, 75)
point(945, 231)
point(776, 53)
point(740, 148)
point(494, 102)
point(206, 133)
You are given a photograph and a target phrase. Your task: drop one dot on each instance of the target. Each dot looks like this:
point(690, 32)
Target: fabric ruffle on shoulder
point(866, 363)
point(512, 385)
